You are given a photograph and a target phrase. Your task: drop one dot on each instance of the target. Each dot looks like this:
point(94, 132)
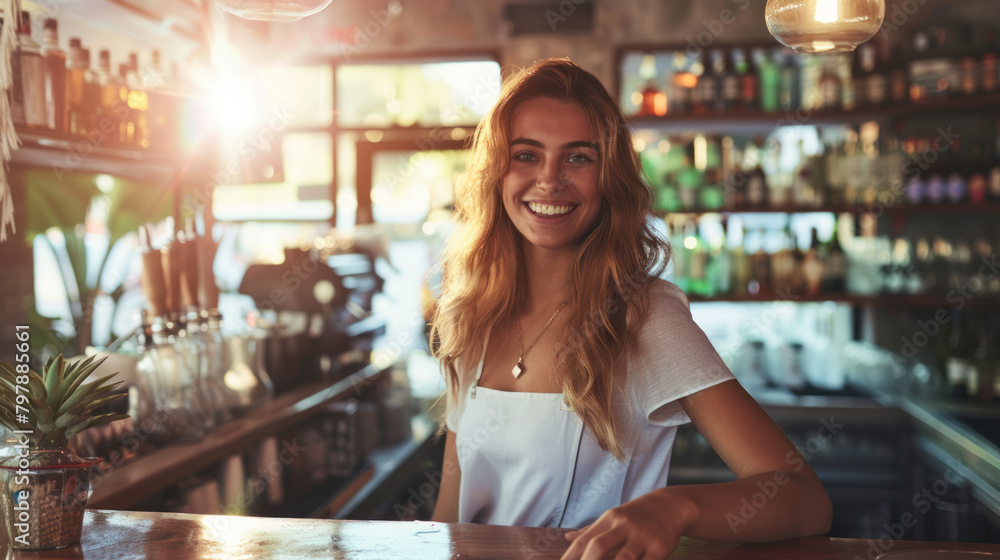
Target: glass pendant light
point(808, 26)
point(273, 10)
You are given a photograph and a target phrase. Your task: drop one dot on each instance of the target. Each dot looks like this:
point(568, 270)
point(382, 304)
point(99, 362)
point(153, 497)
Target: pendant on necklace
point(518, 368)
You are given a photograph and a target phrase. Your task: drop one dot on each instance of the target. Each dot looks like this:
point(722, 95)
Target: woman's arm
point(446, 508)
point(777, 496)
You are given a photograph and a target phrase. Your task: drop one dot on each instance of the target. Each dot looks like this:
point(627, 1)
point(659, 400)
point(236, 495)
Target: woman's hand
point(648, 528)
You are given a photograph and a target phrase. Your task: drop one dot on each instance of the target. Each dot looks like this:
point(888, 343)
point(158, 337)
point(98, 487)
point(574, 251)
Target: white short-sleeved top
point(527, 460)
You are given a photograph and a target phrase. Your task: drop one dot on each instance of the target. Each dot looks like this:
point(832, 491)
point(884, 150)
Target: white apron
point(508, 479)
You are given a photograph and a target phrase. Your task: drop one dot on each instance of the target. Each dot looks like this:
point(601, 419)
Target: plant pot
point(45, 493)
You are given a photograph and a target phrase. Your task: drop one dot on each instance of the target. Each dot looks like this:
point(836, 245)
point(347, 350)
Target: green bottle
point(769, 83)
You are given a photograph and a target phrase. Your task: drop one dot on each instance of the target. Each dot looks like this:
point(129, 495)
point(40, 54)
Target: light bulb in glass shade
point(273, 10)
point(824, 25)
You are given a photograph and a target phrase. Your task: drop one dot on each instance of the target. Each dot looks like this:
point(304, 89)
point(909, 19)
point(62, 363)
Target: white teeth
point(548, 209)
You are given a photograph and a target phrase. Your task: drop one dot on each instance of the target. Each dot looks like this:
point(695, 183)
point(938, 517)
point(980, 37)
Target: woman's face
point(550, 190)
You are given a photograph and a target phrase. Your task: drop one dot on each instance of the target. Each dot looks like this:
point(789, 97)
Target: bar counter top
point(122, 535)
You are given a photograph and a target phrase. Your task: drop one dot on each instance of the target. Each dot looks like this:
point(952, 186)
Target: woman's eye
point(579, 158)
point(524, 156)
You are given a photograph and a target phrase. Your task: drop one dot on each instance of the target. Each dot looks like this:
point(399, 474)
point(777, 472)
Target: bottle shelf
point(885, 300)
point(756, 122)
point(135, 481)
point(875, 209)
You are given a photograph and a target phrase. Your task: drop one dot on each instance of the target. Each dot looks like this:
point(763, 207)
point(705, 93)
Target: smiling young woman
point(552, 275)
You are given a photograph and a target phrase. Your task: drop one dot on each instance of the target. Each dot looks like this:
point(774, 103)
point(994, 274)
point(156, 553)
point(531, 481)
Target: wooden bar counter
point(122, 535)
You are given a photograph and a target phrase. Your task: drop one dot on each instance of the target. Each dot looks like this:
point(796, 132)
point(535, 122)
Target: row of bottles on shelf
point(710, 174)
point(966, 354)
point(931, 261)
point(57, 91)
point(721, 256)
point(943, 354)
point(944, 61)
point(762, 263)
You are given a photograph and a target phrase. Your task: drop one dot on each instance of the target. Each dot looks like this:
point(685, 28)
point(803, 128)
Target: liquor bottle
point(15, 95)
point(110, 111)
point(32, 75)
point(55, 77)
point(993, 178)
point(748, 83)
point(697, 260)
point(830, 86)
point(76, 74)
point(126, 127)
point(138, 103)
point(742, 267)
point(730, 177)
point(956, 186)
point(680, 86)
point(708, 85)
point(849, 89)
point(834, 265)
point(989, 64)
point(805, 191)
point(650, 94)
point(978, 171)
point(729, 82)
point(756, 184)
point(721, 263)
point(789, 98)
point(91, 97)
point(936, 185)
point(877, 83)
point(782, 265)
point(899, 79)
point(760, 282)
point(769, 83)
point(961, 347)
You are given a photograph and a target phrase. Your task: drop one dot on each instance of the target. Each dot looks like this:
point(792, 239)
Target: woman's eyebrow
point(566, 146)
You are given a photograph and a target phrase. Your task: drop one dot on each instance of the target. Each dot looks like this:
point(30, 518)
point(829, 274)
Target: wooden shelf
point(756, 122)
point(69, 154)
point(158, 470)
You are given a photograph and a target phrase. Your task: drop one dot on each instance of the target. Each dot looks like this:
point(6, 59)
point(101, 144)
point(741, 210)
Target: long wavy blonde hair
point(483, 265)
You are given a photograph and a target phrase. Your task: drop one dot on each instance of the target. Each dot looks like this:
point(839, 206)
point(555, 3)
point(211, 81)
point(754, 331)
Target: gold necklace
point(519, 367)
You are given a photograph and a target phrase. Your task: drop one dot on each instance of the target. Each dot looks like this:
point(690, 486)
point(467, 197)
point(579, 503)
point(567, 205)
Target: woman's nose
point(552, 177)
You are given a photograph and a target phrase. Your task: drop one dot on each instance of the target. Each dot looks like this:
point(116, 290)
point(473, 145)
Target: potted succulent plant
point(45, 485)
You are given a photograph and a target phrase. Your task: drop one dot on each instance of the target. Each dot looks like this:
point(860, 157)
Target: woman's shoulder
point(666, 302)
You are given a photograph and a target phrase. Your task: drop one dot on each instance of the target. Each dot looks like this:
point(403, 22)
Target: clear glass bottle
point(193, 358)
point(32, 75)
point(55, 77)
point(173, 420)
point(223, 400)
point(76, 75)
